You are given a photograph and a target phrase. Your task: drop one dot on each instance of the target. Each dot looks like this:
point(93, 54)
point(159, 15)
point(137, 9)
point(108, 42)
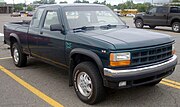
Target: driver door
point(150, 17)
point(51, 43)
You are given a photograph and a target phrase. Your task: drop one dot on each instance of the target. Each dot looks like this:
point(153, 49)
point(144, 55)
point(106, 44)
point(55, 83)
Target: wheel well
point(78, 58)
point(12, 40)
point(175, 20)
point(75, 60)
point(138, 18)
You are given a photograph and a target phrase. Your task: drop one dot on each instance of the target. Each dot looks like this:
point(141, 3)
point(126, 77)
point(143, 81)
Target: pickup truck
point(94, 45)
point(159, 16)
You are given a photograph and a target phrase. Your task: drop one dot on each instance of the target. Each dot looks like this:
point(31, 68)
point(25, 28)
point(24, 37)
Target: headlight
point(173, 49)
point(120, 59)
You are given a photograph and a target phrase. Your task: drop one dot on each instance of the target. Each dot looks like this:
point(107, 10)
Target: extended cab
point(94, 46)
point(159, 16)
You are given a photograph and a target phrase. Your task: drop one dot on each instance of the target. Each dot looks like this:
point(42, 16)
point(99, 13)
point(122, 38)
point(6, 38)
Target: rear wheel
point(139, 23)
point(19, 58)
point(176, 26)
point(88, 83)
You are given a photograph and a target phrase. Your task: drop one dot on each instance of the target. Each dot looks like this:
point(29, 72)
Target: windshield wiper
point(109, 26)
point(79, 29)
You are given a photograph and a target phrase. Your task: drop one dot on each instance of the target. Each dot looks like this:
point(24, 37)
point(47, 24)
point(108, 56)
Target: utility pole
point(25, 5)
point(13, 5)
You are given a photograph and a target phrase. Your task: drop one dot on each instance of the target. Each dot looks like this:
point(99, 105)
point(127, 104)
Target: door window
point(37, 17)
point(153, 10)
point(50, 19)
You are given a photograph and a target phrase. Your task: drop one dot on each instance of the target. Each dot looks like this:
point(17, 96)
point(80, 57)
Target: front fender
point(88, 53)
point(14, 36)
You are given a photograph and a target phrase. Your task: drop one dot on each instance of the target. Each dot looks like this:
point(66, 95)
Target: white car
point(130, 15)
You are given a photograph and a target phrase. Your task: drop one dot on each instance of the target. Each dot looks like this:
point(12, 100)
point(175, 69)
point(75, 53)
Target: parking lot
point(43, 85)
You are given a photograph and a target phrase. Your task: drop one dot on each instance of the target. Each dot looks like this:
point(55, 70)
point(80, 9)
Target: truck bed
point(20, 28)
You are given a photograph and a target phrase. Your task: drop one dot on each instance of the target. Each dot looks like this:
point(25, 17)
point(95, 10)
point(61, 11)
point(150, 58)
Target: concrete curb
point(1, 37)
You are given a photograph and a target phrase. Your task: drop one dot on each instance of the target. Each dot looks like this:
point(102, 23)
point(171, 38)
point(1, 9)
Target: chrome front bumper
point(140, 71)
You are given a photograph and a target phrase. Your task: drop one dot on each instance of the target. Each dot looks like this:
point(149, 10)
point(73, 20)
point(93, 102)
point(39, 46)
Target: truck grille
point(151, 55)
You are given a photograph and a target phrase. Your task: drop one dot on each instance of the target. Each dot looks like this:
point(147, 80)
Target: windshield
point(90, 16)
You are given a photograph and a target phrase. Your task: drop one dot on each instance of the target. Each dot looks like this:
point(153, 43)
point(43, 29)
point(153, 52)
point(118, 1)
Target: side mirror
point(147, 12)
point(56, 27)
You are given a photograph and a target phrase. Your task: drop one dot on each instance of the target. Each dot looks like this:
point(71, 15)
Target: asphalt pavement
point(42, 85)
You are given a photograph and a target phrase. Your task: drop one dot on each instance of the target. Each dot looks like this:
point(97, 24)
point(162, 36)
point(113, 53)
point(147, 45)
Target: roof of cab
point(71, 5)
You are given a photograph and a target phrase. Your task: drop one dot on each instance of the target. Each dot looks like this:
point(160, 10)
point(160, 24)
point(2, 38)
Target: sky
point(113, 2)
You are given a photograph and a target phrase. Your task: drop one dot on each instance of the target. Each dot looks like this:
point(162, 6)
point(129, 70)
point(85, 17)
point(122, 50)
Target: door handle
point(41, 32)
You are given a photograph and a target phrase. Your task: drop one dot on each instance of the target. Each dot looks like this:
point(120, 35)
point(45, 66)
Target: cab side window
point(50, 19)
point(37, 17)
point(175, 10)
point(153, 10)
point(162, 10)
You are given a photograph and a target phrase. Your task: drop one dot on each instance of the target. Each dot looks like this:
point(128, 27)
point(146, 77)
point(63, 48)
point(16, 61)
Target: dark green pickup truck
point(94, 45)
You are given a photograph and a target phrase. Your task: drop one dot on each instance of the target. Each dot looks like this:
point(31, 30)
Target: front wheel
point(176, 26)
point(88, 83)
point(19, 58)
point(139, 23)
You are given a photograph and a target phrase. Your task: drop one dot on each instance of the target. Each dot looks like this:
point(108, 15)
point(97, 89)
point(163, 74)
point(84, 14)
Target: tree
point(18, 7)
point(44, 2)
point(96, 2)
point(63, 2)
point(176, 1)
point(77, 1)
point(29, 8)
point(51, 2)
point(83, 1)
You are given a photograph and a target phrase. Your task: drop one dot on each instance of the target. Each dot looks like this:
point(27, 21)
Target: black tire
point(154, 83)
point(98, 91)
point(22, 58)
point(139, 23)
point(152, 26)
point(176, 27)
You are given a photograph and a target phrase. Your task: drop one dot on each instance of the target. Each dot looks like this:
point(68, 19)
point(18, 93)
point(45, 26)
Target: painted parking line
point(172, 82)
point(5, 58)
point(37, 92)
point(170, 85)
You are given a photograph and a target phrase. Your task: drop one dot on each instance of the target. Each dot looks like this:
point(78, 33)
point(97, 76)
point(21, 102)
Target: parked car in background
point(15, 14)
point(159, 16)
point(130, 15)
point(30, 14)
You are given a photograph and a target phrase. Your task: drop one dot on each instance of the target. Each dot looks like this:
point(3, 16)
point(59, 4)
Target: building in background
point(5, 8)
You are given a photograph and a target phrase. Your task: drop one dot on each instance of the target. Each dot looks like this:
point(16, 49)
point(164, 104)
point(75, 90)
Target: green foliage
point(18, 7)
point(96, 2)
point(141, 7)
point(29, 8)
point(63, 2)
point(44, 2)
point(79, 1)
point(176, 1)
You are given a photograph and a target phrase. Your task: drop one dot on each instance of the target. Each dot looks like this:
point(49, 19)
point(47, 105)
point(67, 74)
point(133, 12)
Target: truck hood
point(129, 38)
